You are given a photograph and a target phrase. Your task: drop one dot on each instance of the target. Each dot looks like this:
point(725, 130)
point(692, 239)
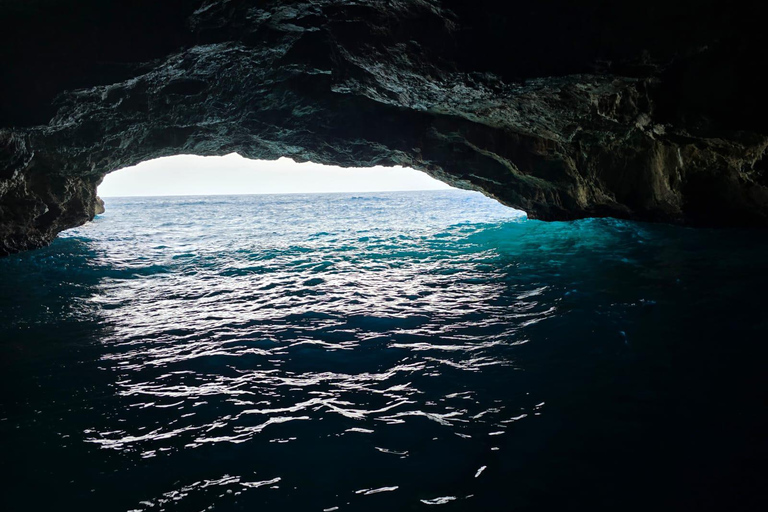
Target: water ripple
point(391, 354)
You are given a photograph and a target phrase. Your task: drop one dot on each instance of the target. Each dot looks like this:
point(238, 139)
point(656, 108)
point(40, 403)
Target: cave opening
point(232, 174)
point(186, 205)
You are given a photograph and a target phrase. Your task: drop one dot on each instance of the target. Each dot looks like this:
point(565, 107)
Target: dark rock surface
point(642, 110)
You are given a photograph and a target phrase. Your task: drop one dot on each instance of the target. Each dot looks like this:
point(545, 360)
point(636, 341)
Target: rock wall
point(638, 110)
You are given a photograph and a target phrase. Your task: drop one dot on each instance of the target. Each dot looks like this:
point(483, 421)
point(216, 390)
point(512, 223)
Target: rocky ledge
point(638, 110)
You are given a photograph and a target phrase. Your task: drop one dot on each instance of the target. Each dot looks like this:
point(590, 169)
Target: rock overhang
point(561, 110)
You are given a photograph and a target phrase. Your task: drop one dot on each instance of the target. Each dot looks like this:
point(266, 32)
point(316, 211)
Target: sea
point(404, 351)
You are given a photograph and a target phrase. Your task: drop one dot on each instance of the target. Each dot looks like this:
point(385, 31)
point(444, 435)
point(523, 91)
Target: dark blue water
point(408, 351)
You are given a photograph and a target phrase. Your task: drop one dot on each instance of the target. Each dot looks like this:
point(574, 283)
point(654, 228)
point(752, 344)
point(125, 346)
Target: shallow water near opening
point(388, 351)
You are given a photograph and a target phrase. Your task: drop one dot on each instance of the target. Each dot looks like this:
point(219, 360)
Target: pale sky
point(232, 174)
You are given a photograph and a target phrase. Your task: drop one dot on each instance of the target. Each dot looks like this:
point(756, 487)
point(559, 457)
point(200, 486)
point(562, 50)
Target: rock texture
point(637, 110)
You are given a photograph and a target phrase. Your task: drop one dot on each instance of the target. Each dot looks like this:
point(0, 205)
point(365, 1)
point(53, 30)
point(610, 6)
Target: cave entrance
point(211, 206)
point(188, 175)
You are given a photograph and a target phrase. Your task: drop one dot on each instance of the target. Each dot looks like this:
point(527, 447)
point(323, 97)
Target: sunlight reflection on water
point(380, 351)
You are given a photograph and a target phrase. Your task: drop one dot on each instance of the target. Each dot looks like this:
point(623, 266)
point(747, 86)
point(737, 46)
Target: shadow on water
point(48, 342)
point(503, 365)
point(653, 367)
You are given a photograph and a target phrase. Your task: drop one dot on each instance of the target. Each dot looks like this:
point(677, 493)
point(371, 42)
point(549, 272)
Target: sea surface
point(382, 352)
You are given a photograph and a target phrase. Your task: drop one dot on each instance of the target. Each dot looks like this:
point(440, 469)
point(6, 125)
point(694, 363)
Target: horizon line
point(451, 189)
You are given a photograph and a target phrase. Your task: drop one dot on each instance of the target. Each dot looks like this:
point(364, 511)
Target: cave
point(578, 327)
point(643, 110)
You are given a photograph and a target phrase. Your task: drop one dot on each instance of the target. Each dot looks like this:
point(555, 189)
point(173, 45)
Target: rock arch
point(562, 111)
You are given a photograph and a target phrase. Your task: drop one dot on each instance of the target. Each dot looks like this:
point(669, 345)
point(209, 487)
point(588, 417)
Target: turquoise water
point(403, 351)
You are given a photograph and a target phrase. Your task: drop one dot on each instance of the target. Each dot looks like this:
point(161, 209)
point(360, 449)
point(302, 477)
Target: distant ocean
point(382, 352)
